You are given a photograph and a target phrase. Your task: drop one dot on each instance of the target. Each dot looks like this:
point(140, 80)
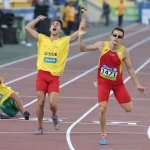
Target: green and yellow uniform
point(6, 103)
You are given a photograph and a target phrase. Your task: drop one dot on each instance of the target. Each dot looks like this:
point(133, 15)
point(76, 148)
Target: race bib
point(108, 72)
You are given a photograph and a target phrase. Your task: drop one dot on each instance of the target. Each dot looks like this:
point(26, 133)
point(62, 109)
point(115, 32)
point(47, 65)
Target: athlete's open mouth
point(54, 29)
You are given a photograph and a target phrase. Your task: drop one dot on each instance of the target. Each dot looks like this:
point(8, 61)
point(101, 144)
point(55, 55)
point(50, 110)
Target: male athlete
point(10, 104)
point(52, 55)
point(112, 57)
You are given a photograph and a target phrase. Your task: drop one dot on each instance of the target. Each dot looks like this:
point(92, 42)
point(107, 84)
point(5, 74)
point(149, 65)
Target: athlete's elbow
point(26, 28)
point(82, 49)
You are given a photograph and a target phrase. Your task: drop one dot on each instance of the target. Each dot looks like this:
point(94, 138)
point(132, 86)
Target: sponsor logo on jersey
point(50, 60)
point(50, 54)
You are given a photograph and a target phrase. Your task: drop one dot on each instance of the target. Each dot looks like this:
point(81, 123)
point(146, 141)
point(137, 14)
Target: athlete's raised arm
point(83, 47)
point(82, 31)
point(74, 36)
point(29, 27)
point(131, 72)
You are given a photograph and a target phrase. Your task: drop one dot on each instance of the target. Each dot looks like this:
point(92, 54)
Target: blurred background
point(102, 16)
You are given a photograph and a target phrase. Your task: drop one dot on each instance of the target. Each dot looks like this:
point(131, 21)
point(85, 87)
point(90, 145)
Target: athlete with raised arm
point(109, 76)
point(51, 59)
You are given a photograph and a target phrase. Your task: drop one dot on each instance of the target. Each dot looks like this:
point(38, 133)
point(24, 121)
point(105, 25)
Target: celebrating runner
point(52, 55)
point(109, 75)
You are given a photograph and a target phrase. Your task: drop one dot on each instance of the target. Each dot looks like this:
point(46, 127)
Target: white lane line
point(17, 61)
point(137, 99)
point(136, 32)
point(25, 76)
point(136, 133)
point(136, 71)
point(79, 98)
point(75, 43)
point(139, 43)
point(76, 78)
point(148, 132)
point(27, 96)
point(132, 123)
point(90, 110)
point(124, 123)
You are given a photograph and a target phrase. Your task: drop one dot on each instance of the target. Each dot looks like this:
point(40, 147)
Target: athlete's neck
point(54, 37)
point(114, 47)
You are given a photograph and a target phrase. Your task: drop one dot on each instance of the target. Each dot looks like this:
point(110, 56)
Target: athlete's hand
point(82, 31)
point(142, 90)
point(41, 18)
point(83, 10)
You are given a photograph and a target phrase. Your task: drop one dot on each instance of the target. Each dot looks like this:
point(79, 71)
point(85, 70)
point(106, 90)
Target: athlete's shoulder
point(126, 52)
point(64, 38)
point(42, 36)
point(100, 43)
point(125, 49)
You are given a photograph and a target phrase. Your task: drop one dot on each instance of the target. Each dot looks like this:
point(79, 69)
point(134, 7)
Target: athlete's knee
point(41, 103)
point(53, 104)
point(102, 109)
point(129, 109)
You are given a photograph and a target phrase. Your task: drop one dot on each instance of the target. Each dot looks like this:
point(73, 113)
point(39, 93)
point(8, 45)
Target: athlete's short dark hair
point(61, 24)
point(118, 29)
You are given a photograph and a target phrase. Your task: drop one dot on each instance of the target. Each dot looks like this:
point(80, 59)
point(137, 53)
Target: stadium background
point(24, 12)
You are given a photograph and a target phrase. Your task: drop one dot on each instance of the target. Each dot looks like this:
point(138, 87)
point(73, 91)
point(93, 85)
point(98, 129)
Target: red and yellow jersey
point(110, 64)
point(52, 55)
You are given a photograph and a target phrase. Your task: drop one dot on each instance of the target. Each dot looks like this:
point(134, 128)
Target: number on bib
point(108, 73)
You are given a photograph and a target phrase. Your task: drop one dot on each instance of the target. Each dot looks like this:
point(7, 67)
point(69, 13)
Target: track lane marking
point(137, 133)
point(148, 132)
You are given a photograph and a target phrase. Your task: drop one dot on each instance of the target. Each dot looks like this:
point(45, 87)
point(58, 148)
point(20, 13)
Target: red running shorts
point(119, 91)
point(46, 82)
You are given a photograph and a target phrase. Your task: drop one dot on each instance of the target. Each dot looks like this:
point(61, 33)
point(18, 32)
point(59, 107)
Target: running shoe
point(56, 123)
point(103, 140)
point(26, 115)
point(39, 131)
point(4, 116)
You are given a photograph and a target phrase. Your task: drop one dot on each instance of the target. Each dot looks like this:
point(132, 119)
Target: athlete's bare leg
point(40, 107)
point(127, 106)
point(102, 116)
point(53, 99)
point(17, 102)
